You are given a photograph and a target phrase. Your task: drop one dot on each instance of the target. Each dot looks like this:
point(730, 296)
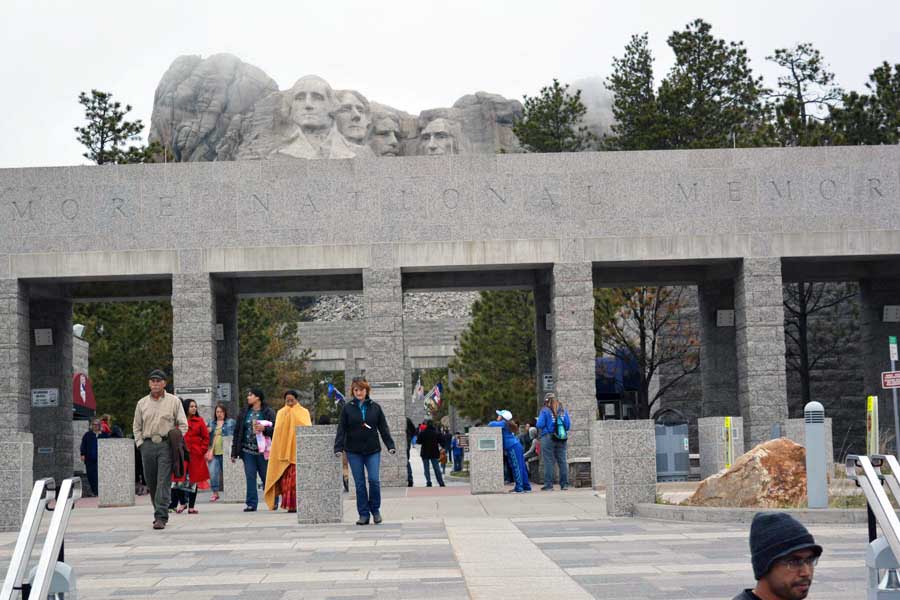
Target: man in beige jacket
point(155, 415)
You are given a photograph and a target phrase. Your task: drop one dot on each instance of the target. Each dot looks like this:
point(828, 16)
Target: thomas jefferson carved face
point(385, 136)
point(437, 138)
point(312, 106)
point(352, 117)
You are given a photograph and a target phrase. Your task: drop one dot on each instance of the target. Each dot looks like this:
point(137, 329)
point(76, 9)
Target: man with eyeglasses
point(784, 556)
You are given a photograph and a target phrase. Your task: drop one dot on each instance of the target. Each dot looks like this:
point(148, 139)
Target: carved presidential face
point(437, 138)
point(352, 117)
point(312, 107)
point(385, 137)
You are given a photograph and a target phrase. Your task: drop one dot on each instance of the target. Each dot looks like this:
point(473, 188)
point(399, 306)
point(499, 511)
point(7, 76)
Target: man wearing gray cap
point(155, 415)
point(784, 556)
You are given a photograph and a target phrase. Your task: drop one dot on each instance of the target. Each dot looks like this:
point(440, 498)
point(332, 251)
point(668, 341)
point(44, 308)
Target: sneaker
point(157, 524)
point(180, 509)
point(249, 509)
point(214, 498)
point(547, 488)
point(193, 511)
point(363, 521)
point(442, 484)
point(428, 484)
point(377, 518)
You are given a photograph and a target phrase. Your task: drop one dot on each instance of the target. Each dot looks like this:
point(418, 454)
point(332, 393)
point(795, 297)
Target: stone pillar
point(51, 368)
point(115, 472)
point(15, 349)
point(713, 443)
point(319, 479)
point(383, 302)
point(193, 335)
point(626, 453)
point(16, 459)
point(600, 457)
point(543, 307)
point(759, 339)
point(227, 349)
point(873, 296)
point(718, 361)
point(573, 350)
point(795, 430)
point(486, 460)
point(234, 486)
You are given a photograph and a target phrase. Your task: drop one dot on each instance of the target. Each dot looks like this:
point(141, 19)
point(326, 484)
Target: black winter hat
point(774, 535)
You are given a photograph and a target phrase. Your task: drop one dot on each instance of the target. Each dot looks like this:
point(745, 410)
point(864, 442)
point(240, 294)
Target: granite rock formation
point(220, 108)
point(771, 475)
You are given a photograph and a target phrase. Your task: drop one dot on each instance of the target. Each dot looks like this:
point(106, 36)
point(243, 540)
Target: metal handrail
point(69, 492)
point(31, 523)
point(870, 482)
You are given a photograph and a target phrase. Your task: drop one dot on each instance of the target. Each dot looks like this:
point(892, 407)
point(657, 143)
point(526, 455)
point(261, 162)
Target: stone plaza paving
point(435, 543)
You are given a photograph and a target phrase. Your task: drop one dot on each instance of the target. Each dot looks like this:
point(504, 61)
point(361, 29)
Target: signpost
point(872, 426)
point(892, 344)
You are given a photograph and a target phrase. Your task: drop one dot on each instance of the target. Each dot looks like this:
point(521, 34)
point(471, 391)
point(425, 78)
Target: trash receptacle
point(673, 460)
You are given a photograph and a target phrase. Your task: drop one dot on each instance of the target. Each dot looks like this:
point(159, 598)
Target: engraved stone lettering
point(593, 200)
point(782, 194)
point(451, 198)
point(875, 187)
point(828, 189)
point(117, 205)
point(356, 201)
point(69, 208)
point(263, 204)
point(734, 191)
point(693, 194)
point(24, 212)
point(404, 202)
point(166, 209)
point(549, 196)
point(308, 202)
point(496, 195)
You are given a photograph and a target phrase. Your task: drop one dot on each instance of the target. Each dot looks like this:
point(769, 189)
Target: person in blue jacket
point(553, 425)
point(513, 450)
point(89, 453)
point(457, 452)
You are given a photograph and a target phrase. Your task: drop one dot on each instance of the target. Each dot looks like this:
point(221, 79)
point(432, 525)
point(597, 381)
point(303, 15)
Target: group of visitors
point(181, 453)
point(546, 440)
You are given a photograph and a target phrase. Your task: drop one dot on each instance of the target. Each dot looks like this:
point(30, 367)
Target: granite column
point(759, 337)
point(193, 336)
point(718, 361)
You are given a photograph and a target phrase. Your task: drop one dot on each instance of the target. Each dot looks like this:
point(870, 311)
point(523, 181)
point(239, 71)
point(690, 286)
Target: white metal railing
point(862, 469)
point(69, 492)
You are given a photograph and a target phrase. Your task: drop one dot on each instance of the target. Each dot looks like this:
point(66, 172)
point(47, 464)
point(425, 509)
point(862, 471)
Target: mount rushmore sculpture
point(221, 108)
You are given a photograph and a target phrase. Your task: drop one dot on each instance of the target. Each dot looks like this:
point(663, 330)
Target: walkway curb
point(705, 514)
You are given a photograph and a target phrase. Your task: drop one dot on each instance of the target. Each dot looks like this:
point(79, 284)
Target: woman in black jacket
point(243, 443)
point(429, 440)
point(359, 426)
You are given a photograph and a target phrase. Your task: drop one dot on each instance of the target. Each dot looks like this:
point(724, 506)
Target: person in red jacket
point(184, 491)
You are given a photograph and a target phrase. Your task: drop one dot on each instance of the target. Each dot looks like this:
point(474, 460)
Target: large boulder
point(771, 475)
point(197, 99)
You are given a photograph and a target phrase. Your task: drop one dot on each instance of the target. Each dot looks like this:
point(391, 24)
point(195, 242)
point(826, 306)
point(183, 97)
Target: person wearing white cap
point(513, 450)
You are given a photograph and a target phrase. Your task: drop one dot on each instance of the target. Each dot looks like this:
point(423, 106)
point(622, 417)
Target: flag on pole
point(436, 393)
point(335, 394)
point(418, 392)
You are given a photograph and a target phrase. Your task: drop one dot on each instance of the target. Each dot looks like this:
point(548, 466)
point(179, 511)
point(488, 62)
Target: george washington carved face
point(313, 104)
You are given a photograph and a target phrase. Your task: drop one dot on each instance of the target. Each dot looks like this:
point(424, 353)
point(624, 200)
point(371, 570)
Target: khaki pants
point(157, 462)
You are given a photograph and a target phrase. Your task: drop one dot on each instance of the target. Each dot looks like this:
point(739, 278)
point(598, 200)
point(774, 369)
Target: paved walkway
point(435, 543)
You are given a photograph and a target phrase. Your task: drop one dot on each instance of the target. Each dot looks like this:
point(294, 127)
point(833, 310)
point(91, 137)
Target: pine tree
point(872, 118)
point(805, 95)
point(551, 122)
point(636, 125)
point(495, 364)
point(107, 134)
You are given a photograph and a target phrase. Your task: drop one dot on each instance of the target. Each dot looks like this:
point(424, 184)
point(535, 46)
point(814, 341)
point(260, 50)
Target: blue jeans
point(367, 501)
point(215, 473)
point(436, 465)
point(553, 452)
point(457, 460)
point(254, 464)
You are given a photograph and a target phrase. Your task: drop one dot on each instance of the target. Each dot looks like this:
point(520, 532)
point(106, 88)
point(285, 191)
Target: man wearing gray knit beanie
point(784, 555)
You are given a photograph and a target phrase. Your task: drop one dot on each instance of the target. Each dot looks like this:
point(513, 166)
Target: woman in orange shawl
point(281, 476)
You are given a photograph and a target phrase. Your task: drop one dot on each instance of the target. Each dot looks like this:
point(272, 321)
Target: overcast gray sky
point(411, 54)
